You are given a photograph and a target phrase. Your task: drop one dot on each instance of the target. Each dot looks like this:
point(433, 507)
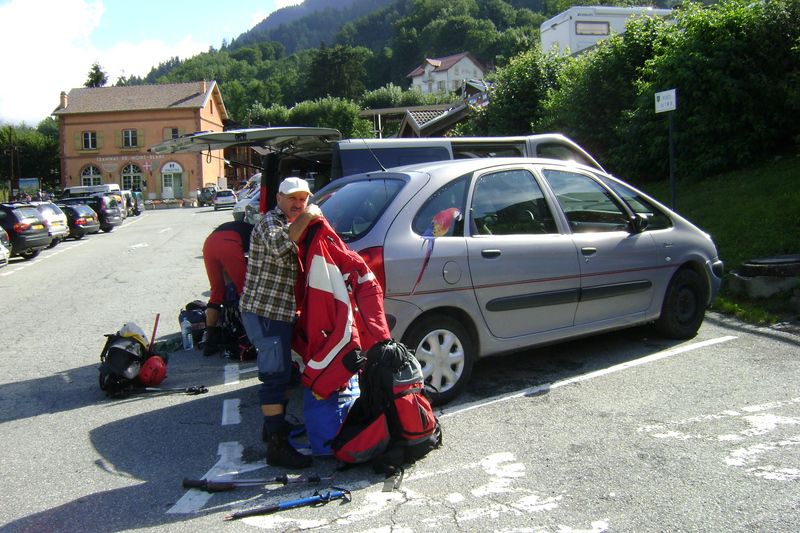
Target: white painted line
point(230, 412)
point(591, 375)
point(229, 464)
point(231, 374)
point(248, 369)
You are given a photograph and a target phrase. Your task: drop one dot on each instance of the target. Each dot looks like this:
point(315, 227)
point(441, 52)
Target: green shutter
point(78, 141)
point(140, 138)
point(99, 140)
point(117, 138)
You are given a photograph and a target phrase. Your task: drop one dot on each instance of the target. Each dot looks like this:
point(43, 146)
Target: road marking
point(50, 252)
point(544, 387)
point(231, 374)
point(230, 412)
point(229, 465)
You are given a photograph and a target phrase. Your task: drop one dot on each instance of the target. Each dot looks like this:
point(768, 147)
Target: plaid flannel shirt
point(271, 270)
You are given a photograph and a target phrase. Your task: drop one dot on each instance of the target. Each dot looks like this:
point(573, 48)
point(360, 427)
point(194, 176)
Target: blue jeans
point(273, 342)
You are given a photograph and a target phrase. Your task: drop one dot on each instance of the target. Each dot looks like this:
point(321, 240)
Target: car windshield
point(354, 207)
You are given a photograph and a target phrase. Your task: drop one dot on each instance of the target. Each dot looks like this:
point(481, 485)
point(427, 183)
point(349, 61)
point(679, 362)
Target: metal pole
point(672, 158)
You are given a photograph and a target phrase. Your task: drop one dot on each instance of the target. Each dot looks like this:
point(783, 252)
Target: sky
point(49, 46)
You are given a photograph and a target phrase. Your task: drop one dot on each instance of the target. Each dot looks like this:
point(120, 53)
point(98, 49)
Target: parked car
point(56, 221)
point(206, 196)
point(487, 256)
point(107, 208)
point(244, 198)
point(26, 228)
point(82, 220)
point(5, 248)
point(224, 198)
point(138, 203)
point(252, 212)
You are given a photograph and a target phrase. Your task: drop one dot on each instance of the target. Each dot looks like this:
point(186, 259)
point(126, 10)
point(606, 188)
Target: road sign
point(666, 101)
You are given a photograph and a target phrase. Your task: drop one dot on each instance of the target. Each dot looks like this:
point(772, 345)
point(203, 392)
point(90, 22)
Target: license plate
point(90, 219)
point(37, 226)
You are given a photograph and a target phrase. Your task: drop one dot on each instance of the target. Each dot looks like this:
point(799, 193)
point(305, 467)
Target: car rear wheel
point(446, 354)
point(30, 254)
point(684, 306)
point(107, 229)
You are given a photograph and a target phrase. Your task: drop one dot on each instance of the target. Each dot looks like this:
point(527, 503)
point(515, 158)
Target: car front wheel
point(446, 354)
point(684, 306)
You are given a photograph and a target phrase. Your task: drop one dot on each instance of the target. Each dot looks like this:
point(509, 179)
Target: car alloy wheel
point(446, 354)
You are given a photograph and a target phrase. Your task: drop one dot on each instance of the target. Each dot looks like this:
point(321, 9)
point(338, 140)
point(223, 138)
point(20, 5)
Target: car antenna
point(374, 156)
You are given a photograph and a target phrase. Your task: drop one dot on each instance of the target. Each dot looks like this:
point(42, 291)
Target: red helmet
point(153, 371)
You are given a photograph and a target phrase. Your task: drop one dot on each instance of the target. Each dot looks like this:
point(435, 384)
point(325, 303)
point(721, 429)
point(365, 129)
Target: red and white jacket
point(341, 310)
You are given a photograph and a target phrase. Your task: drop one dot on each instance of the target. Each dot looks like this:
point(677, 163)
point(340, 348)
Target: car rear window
point(353, 208)
point(26, 212)
point(364, 160)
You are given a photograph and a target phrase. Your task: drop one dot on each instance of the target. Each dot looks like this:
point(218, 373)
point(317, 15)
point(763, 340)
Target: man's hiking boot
point(281, 453)
point(213, 338)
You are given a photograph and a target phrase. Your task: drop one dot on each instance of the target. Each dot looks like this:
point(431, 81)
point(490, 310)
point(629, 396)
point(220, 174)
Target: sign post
point(666, 102)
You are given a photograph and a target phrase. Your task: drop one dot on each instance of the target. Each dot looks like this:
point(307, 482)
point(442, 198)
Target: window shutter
point(117, 138)
point(99, 139)
point(167, 134)
point(140, 138)
point(79, 141)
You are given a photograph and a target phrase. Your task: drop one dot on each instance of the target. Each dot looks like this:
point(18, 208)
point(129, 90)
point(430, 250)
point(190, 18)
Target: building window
point(174, 133)
point(130, 139)
point(440, 87)
point(89, 140)
point(132, 177)
point(592, 28)
point(91, 176)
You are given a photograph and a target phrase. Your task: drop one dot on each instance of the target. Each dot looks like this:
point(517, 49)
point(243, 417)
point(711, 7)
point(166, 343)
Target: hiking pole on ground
point(325, 497)
point(220, 486)
point(191, 391)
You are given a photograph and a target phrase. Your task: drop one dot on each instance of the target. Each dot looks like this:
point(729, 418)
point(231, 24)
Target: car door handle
point(490, 253)
point(588, 250)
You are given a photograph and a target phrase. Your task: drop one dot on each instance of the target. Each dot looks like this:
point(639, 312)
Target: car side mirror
point(638, 223)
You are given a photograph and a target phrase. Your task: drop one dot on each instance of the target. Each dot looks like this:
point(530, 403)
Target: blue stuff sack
point(323, 418)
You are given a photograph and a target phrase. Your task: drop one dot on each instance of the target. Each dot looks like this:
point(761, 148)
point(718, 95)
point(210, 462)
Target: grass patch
point(749, 213)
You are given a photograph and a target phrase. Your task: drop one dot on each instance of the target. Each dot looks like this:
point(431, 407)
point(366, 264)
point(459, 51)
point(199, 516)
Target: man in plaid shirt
point(268, 310)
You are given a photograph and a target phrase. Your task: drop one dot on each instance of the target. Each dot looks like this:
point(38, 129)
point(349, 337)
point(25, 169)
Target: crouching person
point(225, 257)
point(268, 311)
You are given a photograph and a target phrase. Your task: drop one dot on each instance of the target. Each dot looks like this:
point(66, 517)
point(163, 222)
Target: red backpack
point(392, 422)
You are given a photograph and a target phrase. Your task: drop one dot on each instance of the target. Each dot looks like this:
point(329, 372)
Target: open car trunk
point(285, 151)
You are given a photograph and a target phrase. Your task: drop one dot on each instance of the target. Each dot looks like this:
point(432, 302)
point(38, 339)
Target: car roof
point(463, 166)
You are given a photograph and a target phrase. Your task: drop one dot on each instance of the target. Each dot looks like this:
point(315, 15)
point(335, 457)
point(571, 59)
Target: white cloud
point(50, 56)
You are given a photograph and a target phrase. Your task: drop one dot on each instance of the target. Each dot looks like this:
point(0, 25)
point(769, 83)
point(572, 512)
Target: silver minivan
point(487, 256)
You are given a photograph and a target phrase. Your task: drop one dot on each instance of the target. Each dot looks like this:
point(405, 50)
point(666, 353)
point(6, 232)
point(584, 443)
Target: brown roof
point(442, 64)
point(137, 97)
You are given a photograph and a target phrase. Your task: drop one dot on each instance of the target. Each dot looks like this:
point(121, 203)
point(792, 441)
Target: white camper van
point(581, 27)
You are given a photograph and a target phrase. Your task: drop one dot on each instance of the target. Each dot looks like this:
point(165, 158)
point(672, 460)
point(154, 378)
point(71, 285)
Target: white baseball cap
point(293, 185)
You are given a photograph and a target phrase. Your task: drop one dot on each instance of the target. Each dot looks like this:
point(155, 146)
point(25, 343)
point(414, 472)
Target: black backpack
point(392, 422)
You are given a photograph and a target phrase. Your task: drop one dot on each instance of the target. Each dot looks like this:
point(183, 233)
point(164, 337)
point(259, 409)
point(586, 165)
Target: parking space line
point(230, 412)
point(231, 374)
point(544, 387)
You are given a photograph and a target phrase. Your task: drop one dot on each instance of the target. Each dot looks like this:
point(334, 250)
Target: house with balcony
point(446, 74)
point(105, 132)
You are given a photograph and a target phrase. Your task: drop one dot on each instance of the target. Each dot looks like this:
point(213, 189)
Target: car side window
point(510, 203)
point(656, 218)
point(442, 214)
point(588, 206)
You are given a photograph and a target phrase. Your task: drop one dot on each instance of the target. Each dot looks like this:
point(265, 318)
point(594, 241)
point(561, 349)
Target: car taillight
point(20, 227)
point(374, 259)
point(80, 221)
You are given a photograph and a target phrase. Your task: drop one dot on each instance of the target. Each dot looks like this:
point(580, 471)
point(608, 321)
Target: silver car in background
point(487, 256)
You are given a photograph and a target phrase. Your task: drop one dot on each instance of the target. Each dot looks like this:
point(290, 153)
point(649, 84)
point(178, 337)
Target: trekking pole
point(335, 494)
point(191, 391)
point(220, 486)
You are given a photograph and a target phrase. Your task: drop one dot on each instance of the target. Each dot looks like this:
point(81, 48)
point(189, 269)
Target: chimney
point(203, 86)
point(63, 100)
